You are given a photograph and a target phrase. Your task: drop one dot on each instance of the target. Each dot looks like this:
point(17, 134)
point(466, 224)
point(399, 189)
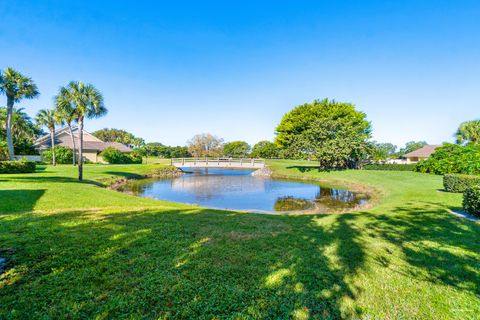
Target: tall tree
point(382, 151)
point(49, 119)
point(66, 113)
point(87, 102)
point(468, 132)
point(16, 87)
point(334, 133)
point(237, 149)
point(205, 145)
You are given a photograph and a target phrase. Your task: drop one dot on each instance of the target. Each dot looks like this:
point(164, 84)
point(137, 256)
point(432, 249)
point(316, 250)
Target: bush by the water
point(17, 166)
point(471, 200)
point(115, 156)
point(459, 182)
point(452, 158)
point(390, 167)
point(62, 155)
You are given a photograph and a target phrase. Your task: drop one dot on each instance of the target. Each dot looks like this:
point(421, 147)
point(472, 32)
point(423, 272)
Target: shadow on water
point(197, 264)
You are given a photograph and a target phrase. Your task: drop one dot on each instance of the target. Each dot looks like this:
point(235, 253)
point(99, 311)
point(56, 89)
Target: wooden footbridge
point(218, 163)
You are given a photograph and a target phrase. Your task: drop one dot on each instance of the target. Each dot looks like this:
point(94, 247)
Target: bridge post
point(183, 161)
point(206, 161)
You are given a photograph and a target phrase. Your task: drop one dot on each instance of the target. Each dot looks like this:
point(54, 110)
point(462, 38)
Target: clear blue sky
point(169, 70)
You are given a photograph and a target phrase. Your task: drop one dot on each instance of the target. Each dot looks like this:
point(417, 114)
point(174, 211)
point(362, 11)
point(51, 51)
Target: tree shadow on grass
point(310, 168)
point(439, 247)
point(173, 263)
point(52, 179)
point(19, 200)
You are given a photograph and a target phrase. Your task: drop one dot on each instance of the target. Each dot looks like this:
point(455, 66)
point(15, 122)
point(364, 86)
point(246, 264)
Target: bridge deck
point(217, 163)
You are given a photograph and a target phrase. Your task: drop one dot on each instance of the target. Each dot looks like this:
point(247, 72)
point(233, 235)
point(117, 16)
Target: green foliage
point(411, 146)
point(3, 151)
point(335, 134)
point(265, 149)
point(120, 136)
point(459, 182)
point(115, 156)
point(24, 132)
point(471, 200)
point(236, 149)
point(468, 132)
point(389, 167)
point(383, 151)
point(21, 166)
point(452, 158)
point(157, 149)
point(63, 155)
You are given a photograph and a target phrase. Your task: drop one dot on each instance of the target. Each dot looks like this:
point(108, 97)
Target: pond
point(238, 190)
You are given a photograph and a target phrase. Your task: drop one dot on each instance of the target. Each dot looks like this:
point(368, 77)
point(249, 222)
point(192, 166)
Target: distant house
point(421, 154)
point(92, 146)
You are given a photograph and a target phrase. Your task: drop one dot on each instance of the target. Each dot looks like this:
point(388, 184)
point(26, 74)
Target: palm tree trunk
point(54, 156)
point(73, 143)
point(80, 150)
point(11, 152)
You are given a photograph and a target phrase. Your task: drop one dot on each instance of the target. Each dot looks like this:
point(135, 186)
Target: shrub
point(390, 167)
point(3, 151)
point(115, 156)
point(452, 158)
point(17, 166)
point(471, 200)
point(135, 157)
point(459, 182)
point(62, 155)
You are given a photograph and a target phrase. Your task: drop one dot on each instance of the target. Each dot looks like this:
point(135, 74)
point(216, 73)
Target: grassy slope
point(405, 258)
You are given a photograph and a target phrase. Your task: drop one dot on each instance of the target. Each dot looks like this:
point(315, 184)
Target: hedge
point(17, 166)
point(471, 200)
point(459, 182)
point(390, 167)
point(115, 156)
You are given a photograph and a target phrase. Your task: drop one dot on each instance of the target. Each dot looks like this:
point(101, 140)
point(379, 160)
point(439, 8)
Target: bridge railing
point(227, 162)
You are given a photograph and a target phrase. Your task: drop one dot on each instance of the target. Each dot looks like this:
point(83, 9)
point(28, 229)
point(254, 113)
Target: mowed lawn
point(78, 250)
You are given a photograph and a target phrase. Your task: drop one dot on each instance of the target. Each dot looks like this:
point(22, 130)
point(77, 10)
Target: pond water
point(239, 190)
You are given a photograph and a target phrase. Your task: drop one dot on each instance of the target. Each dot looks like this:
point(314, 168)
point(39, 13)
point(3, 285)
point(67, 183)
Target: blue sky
point(171, 69)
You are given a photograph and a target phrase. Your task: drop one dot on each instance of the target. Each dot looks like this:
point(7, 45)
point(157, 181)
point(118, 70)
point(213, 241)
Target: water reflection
point(239, 190)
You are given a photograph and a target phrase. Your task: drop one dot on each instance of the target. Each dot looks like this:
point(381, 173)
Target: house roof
point(423, 152)
point(92, 143)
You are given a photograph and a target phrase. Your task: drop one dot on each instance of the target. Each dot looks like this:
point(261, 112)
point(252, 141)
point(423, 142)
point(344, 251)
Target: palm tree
point(49, 119)
point(16, 87)
point(468, 132)
point(87, 102)
point(66, 113)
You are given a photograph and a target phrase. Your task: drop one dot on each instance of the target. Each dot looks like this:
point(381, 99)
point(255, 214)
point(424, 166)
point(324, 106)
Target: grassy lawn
point(77, 250)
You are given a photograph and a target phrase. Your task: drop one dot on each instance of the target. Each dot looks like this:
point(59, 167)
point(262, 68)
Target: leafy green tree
point(49, 118)
point(179, 152)
point(16, 87)
point(411, 146)
point(236, 149)
point(383, 151)
point(24, 132)
point(120, 136)
point(334, 133)
point(265, 149)
point(468, 132)
point(205, 145)
point(87, 102)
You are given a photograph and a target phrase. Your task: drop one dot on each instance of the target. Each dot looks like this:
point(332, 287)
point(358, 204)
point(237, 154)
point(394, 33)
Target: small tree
point(265, 149)
point(49, 118)
point(236, 149)
point(66, 113)
point(16, 87)
point(205, 145)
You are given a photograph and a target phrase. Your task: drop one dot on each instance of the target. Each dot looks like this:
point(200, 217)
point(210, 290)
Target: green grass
point(77, 250)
